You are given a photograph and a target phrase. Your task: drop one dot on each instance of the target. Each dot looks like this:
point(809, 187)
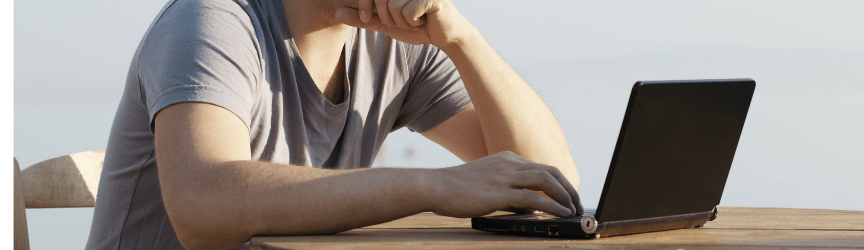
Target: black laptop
point(669, 167)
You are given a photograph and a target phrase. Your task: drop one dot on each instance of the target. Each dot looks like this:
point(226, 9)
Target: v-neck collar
point(304, 78)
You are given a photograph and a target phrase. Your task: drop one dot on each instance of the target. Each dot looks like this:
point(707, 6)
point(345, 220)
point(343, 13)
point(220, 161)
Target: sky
point(800, 148)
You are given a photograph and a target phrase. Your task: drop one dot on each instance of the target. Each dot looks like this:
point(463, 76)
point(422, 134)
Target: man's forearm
point(513, 117)
point(259, 198)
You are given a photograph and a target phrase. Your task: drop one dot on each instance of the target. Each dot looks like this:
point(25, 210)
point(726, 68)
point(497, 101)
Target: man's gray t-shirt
point(240, 55)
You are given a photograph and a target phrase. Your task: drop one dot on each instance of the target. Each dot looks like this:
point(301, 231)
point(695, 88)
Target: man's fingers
point(574, 196)
point(366, 11)
point(352, 17)
point(414, 12)
point(395, 7)
point(540, 180)
point(384, 12)
point(530, 200)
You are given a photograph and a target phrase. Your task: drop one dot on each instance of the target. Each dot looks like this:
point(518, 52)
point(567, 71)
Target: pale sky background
point(802, 141)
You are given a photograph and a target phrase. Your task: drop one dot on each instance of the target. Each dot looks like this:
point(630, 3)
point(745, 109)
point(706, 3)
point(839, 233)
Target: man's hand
point(498, 182)
point(435, 22)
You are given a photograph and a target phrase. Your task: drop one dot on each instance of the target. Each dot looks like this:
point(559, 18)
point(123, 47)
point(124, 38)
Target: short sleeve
point(435, 90)
point(200, 51)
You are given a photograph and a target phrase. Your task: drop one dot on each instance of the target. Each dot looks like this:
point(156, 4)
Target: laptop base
point(547, 225)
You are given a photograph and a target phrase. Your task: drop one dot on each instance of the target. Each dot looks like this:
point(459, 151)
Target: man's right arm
point(217, 197)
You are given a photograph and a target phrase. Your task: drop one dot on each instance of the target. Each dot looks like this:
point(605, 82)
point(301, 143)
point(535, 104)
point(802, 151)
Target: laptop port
point(553, 230)
point(523, 228)
point(495, 227)
point(539, 230)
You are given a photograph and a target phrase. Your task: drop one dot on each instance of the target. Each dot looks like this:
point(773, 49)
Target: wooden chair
point(66, 181)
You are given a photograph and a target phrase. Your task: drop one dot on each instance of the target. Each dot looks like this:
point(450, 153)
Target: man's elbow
point(201, 224)
point(193, 240)
point(196, 231)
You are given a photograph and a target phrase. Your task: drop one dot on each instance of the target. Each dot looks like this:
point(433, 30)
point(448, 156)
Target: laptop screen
point(675, 148)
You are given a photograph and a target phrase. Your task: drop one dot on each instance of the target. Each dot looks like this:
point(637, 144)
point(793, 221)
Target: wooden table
point(736, 227)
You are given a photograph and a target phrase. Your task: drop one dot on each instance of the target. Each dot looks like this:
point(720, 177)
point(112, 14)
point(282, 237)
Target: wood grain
point(66, 181)
point(729, 217)
point(736, 227)
point(471, 239)
point(784, 218)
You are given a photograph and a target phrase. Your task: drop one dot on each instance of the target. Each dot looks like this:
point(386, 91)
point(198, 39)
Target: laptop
point(669, 166)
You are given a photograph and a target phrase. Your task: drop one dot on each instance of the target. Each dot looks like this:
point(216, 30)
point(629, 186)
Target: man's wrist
point(469, 37)
point(428, 188)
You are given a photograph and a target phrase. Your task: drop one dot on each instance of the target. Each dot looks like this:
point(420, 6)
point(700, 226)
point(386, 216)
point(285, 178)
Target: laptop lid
point(675, 148)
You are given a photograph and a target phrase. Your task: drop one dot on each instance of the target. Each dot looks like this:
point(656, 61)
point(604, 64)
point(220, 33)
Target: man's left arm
point(506, 114)
point(510, 115)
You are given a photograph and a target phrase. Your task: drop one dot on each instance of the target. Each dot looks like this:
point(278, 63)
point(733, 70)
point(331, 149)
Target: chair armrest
point(66, 181)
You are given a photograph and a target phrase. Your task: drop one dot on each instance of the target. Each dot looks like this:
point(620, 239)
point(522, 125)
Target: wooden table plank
point(729, 217)
point(738, 227)
point(785, 218)
point(471, 239)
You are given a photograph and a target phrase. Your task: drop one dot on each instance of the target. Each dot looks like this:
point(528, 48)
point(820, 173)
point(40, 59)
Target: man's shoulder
point(205, 6)
point(184, 24)
point(198, 11)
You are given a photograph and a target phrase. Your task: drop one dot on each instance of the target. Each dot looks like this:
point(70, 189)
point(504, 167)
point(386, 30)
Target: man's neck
point(311, 17)
point(320, 40)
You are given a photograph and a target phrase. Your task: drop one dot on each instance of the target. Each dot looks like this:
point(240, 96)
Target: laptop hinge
point(653, 224)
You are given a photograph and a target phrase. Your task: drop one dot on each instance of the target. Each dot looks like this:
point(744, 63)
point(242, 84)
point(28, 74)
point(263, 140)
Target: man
point(260, 117)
